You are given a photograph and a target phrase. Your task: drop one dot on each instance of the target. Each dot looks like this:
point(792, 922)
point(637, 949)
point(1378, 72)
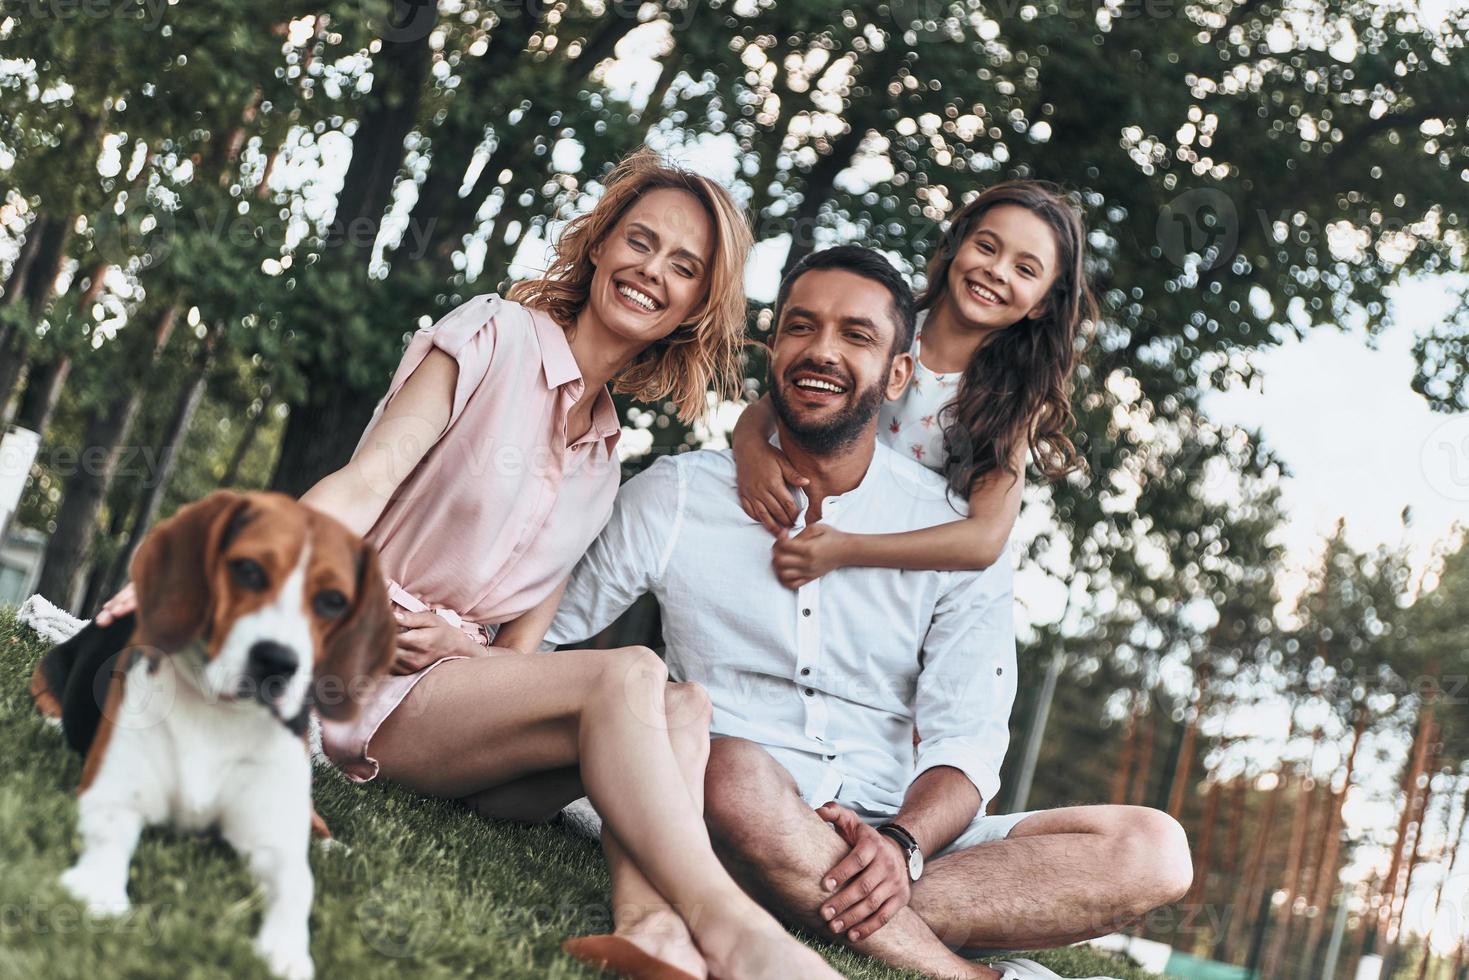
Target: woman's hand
point(809, 555)
point(118, 606)
point(764, 477)
point(425, 638)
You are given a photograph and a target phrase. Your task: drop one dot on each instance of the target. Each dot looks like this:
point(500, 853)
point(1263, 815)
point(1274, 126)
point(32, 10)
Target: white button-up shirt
point(831, 678)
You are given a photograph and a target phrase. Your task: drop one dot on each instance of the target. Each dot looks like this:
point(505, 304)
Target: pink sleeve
point(467, 334)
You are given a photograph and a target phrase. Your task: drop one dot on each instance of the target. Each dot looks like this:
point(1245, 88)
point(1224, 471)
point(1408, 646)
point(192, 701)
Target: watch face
point(915, 864)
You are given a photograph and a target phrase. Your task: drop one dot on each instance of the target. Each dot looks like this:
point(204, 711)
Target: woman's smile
point(636, 298)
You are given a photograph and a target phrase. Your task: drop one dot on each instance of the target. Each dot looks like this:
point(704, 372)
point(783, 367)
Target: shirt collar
point(560, 369)
point(880, 459)
point(556, 358)
point(605, 424)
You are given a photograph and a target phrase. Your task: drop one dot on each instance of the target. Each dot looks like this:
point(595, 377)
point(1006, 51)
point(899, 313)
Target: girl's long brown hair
point(1016, 389)
point(703, 353)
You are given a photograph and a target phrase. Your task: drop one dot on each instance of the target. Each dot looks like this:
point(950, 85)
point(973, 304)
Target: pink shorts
point(348, 744)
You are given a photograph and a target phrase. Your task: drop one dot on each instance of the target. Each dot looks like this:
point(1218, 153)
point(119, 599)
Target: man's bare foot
point(665, 936)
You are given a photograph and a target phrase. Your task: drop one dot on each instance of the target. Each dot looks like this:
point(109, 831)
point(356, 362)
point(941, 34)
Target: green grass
point(426, 890)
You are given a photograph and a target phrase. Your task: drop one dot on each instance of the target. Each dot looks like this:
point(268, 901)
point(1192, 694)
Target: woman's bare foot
point(762, 952)
point(664, 936)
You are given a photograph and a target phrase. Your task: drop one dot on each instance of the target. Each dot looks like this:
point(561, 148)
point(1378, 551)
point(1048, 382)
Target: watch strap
point(902, 835)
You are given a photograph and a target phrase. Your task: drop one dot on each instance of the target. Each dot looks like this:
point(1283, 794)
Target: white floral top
point(911, 424)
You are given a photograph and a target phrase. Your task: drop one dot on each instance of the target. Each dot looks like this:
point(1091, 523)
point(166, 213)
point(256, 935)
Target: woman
point(996, 346)
point(484, 475)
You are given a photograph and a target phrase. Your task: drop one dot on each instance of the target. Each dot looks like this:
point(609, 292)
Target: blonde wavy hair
point(702, 354)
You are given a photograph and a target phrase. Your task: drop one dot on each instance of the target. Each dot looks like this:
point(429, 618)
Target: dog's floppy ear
point(173, 569)
point(361, 646)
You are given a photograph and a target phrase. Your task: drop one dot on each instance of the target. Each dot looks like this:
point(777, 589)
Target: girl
point(485, 473)
point(995, 349)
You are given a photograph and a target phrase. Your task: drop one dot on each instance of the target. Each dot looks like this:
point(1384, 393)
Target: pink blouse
point(500, 509)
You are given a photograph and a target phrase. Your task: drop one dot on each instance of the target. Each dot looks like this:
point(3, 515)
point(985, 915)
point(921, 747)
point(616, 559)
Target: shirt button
point(831, 758)
point(810, 693)
point(805, 612)
point(805, 671)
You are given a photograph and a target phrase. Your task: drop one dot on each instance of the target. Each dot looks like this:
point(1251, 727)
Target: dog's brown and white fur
point(250, 609)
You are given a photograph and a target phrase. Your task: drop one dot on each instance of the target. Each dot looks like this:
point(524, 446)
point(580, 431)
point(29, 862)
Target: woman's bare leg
point(501, 718)
point(639, 912)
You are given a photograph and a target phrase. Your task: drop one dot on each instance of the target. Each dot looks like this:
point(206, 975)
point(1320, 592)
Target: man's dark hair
point(869, 264)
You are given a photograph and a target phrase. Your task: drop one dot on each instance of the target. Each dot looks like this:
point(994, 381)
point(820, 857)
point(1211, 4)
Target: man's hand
point(870, 885)
point(426, 638)
point(809, 555)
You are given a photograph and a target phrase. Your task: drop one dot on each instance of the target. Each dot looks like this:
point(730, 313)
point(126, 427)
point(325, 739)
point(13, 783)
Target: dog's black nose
point(272, 661)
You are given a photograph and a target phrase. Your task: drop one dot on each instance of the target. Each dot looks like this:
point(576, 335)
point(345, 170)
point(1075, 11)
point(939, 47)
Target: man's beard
point(835, 433)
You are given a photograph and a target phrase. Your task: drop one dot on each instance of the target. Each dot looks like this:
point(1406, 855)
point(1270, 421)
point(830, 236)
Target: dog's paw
point(100, 898)
point(286, 960)
point(331, 845)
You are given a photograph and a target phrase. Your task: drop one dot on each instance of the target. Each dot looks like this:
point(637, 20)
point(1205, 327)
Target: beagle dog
point(252, 609)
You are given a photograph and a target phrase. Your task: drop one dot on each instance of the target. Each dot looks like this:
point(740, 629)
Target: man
point(817, 692)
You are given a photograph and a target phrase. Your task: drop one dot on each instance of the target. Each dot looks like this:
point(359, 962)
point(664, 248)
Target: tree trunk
point(1143, 773)
point(317, 437)
point(1417, 759)
point(1458, 838)
point(1179, 785)
point(35, 291)
point(68, 549)
point(1203, 853)
point(1234, 872)
point(45, 382)
point(1123, 773)
point(1324, 881)
point(231, 475)
point(96, 590)
point(1420, 834)
point(184, 409)
point(41, 393)
point(15, 282)
point(1294, 854)
point(1258, 876)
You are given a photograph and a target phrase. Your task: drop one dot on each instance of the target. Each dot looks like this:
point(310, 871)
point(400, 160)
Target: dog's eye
point(248, 573)
point(330, 603)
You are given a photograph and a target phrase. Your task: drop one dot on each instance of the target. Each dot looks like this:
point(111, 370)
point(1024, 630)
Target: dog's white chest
point(193, 757)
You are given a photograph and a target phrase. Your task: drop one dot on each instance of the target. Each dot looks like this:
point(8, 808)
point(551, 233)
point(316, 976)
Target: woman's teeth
point(642, 299)
point(984, 294)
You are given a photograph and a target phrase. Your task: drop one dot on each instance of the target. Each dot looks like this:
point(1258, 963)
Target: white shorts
point(818, 784)
point(981, 830)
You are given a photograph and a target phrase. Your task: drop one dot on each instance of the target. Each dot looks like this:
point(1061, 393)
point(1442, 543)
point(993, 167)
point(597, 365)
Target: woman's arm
point(357, 493)
point(524, 633)
point(762, 472)
point(411, 423)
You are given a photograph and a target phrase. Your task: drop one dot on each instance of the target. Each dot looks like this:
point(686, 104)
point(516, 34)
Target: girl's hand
point(425, 638)
point(762, 475)
point(809, 555)
point(118, 606)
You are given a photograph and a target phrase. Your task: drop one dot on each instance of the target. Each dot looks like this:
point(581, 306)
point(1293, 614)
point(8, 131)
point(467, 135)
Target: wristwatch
point(909, 845)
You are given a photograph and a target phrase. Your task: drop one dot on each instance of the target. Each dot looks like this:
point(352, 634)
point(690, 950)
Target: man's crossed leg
point(1060, 876)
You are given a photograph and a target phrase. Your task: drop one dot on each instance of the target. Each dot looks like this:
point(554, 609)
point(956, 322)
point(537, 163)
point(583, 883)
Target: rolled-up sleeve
point(966, 684)
point(628, 557)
